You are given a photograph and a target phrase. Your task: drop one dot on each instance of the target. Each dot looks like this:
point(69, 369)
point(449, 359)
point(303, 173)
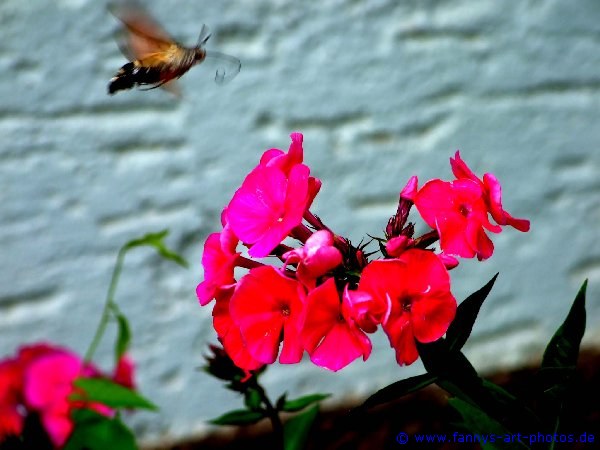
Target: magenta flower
point(267, 307)
point(218, 260)
point(329, 334)
point(285, 161)
point(410, 190)
point(417, 286)
point(317, 257)
point(492, 193)
point(268, 206)
point(48, 384)
point(458, 212)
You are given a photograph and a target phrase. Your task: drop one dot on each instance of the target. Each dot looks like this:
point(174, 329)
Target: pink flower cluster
point(39, 380)
point(325, 296)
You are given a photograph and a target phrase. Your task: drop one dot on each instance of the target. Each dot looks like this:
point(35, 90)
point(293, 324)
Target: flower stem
point(426, 240)
point(108, 306)
point(272, 414)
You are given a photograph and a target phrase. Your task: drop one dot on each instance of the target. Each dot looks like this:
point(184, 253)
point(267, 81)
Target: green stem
point(273, 415)
point(108, 305)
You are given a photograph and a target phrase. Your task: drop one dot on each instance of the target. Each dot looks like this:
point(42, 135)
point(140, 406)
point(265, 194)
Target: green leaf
point(156, 240)
point(558, 370)
point(460, 329)
point(440, 360)
point(302, 402)
point(563, 349)
point(110, 394)
point(252, 400)
point(281, 401)
point(123, 337)
point(93, 431)
point(296, 430)
point(238, 417)
point(398, 389)
point(492, 435)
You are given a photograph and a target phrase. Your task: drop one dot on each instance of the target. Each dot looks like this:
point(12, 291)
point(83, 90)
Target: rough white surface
point(381, 90)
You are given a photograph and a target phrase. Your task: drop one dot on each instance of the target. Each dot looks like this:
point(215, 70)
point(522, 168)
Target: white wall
point(381, 90)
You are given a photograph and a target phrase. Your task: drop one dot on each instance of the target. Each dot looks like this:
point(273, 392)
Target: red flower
point(492, 193)
point(265, 306)
point(11, 420)
point(422, 307)
point(366, 311)
point(458, 212)
point(329, 333)
point(124, 372)
point(229, 334)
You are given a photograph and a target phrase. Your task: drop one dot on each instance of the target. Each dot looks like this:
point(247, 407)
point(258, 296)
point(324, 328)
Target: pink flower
point(458, 212)
point(268, 206)
point(218, 260)
point(48, 384)
point(285, 161)
point(492, 192)
point(422, 307)
point(229, 334)
point(272, 199)
point(267, 306)
point(410, 190)
point(317, 257)
point(329, 334)
point(11, 420)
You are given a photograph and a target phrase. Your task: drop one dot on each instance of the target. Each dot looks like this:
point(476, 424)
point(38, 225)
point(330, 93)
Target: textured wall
point(382, 90)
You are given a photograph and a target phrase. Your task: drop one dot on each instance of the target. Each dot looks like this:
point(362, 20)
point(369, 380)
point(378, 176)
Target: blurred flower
point(39, 381)
point(124, 373)
point(11, 420)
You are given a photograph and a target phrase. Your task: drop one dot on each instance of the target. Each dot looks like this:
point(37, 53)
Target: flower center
point(406, 304)
point(285, 310)
point(464, 209)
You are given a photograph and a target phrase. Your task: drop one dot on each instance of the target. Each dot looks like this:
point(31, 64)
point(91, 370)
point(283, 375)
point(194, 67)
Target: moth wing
point(172, 87)
point(226, 66)
point(156, 59)
point(141, 34)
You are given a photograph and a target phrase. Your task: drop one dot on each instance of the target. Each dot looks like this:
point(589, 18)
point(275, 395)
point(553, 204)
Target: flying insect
point(155, 58)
